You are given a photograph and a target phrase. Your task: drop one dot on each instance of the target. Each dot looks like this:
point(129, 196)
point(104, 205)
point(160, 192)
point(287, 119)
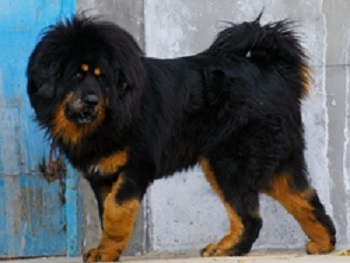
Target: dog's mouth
point(86, 117)
point(81, 117)
point(80, 112)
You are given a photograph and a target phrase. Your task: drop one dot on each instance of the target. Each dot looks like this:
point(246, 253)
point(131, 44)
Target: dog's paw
point(101, 255)
point(213, 250)
point(318, 248)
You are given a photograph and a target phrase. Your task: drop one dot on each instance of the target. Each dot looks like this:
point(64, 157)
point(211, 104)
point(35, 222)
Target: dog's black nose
point(91, 100)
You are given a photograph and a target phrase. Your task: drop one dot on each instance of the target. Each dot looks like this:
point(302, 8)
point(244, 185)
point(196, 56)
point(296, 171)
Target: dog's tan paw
point(213, 250)
point(315, 248)
point(101, 255)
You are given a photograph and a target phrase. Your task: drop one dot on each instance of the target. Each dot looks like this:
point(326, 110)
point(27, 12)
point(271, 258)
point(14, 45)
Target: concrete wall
point(182, 213)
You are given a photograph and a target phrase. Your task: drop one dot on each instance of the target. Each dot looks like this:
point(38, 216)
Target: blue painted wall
point(35, 213)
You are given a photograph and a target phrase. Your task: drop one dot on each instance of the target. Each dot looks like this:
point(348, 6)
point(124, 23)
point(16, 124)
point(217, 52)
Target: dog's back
point(251, 73)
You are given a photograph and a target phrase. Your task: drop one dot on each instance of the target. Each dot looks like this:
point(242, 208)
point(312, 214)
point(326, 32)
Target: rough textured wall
point(183, 213)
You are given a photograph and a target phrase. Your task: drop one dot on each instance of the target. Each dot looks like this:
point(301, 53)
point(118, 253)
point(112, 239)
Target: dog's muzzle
point(82, 109)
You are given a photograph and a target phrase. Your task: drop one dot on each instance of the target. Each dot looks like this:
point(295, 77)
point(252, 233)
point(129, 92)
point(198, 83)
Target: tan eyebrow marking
point(84, 67)
point(97, 72)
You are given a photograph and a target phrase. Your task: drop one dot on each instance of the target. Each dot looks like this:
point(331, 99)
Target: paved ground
point(257, 257)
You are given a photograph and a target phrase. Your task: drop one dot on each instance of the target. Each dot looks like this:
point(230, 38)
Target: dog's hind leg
point(242, 206)
point(292, 190)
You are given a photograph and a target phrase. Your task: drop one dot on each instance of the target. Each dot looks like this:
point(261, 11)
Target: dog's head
point(81, 72)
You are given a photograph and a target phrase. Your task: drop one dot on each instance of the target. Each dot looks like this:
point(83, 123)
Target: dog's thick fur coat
point(125, 120)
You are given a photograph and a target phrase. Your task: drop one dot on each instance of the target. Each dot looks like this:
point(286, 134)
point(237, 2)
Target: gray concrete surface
point(182, 259)
point(182, 213)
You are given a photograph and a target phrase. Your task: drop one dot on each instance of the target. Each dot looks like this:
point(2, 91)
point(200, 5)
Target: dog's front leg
point(120, 210)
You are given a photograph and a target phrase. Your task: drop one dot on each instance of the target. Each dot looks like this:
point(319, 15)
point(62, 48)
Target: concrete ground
point(255, 257)
point(262, 259)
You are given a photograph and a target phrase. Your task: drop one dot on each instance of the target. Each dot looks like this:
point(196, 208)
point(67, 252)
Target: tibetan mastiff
point(125, 120)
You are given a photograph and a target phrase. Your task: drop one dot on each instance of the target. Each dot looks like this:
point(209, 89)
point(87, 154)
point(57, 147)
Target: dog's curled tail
point(274, 45)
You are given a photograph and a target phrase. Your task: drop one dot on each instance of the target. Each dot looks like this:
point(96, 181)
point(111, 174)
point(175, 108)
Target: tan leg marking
point(112, 163)
point(223, 248)
point(118, 223)
point(298, 204)
point(306, 78)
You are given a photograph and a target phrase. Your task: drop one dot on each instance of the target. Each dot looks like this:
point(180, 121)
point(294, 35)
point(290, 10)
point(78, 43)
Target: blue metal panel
point(35, 213)
point(35, 224)
point(73, 214)
point(3, 217)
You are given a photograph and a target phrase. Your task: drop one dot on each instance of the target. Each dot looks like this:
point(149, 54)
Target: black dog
point(125, 120)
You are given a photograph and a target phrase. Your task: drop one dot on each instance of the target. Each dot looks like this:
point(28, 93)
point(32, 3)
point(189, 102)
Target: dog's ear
point(130, 72)
point(122, 85)
point(41, 83)
point(41, 74)
point(126, 60)
point(43, 87)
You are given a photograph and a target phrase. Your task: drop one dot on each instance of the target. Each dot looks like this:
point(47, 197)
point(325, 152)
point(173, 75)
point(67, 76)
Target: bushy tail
point(272, 45)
